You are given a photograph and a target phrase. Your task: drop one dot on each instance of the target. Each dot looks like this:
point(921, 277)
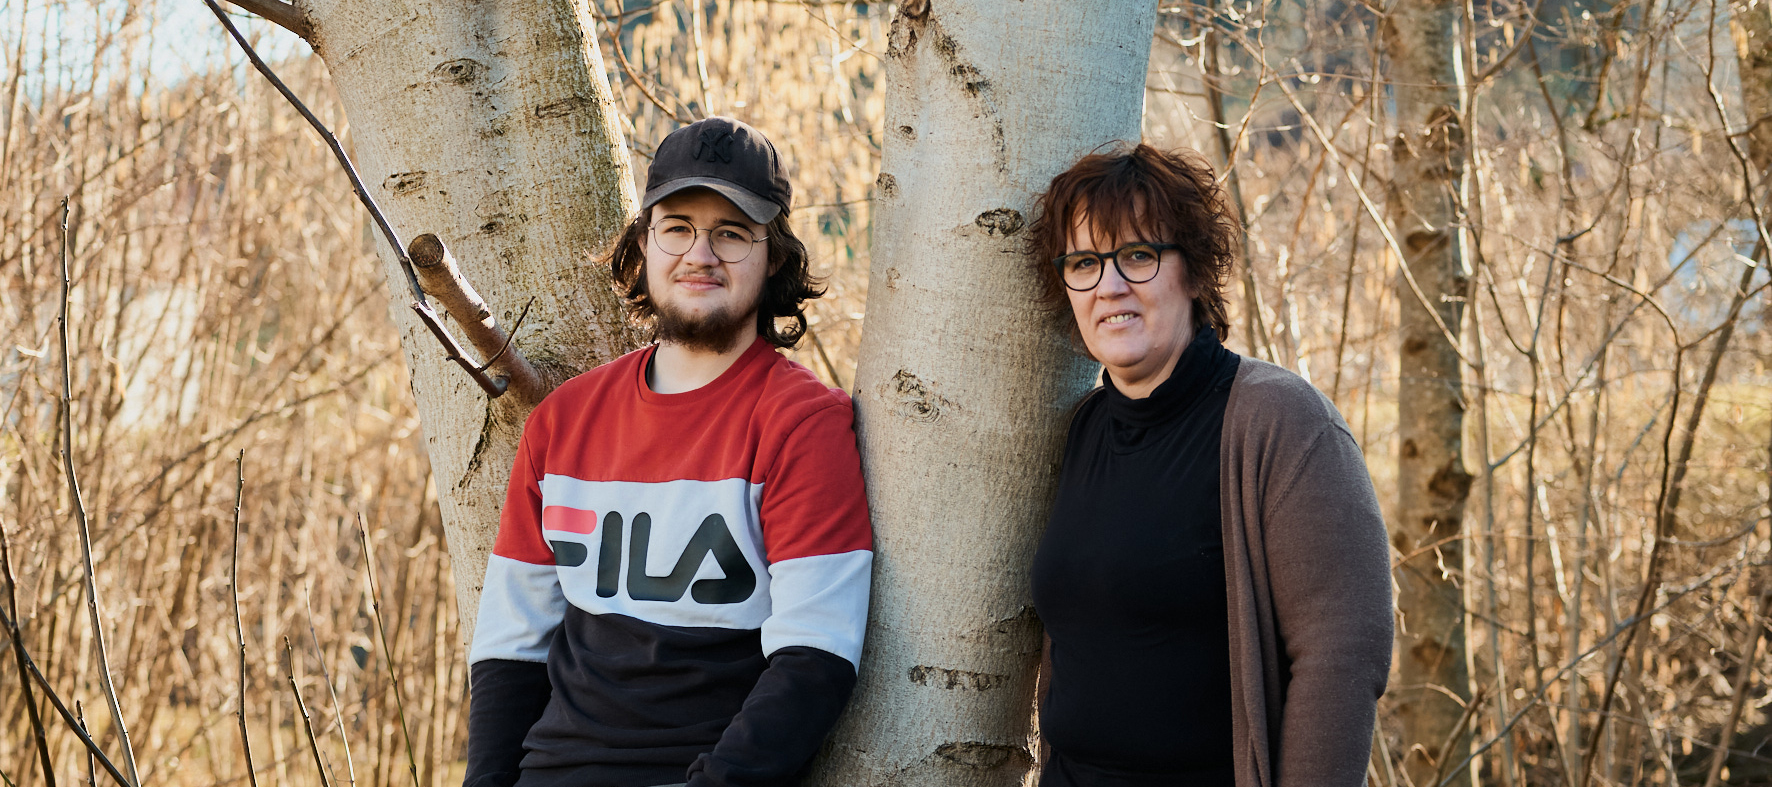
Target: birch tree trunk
point(1432, 484)
point(492, 126)
point(963, 389)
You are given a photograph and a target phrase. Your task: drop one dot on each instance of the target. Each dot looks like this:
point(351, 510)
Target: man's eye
point(676, 229)
point(727, 233)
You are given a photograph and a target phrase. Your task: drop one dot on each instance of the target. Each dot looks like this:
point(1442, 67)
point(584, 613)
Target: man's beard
point(716, 332)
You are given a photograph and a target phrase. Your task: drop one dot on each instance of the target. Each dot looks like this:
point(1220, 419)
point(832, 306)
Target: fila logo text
point(712, 536)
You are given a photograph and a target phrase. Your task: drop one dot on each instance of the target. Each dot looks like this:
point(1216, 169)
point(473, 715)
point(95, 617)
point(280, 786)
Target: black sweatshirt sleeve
point(507, 697)
point(782, 723)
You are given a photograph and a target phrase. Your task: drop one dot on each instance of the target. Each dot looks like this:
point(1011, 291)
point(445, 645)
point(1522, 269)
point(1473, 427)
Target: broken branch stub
point(493, 387)
point(442, 279)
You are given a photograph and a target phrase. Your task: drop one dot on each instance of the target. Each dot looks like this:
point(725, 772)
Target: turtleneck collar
point(1200, 369)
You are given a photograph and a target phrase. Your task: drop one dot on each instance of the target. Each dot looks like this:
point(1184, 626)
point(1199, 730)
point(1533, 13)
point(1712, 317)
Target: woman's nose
point(1112, 283)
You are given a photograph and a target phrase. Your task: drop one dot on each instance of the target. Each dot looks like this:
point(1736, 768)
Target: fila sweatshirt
point(679, 587)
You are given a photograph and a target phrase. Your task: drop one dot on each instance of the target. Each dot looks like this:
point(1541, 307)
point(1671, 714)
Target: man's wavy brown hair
point(784, 292)
point(1137, 192)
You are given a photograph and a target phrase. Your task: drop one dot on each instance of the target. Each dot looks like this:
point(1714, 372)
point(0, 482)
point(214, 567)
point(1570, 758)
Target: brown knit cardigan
point(1307, 570)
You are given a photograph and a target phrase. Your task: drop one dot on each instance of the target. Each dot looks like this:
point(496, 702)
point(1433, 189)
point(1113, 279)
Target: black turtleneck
point(1129, 580)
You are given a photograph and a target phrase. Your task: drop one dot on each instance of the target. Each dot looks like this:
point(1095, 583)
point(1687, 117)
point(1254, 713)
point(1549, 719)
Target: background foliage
point(224, 300)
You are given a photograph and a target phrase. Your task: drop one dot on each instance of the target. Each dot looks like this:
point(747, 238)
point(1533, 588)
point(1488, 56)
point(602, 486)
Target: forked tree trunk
point(963, 389)
point(1432, 484)
point(491, 125)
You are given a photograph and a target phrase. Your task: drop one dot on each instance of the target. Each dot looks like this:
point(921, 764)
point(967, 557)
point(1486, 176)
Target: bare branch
point(1668, 504)
point(85, 532)
point(18, 649)
point(338, 713)
point(284, 15)
point(1384, 230)
point(239, 630)
point(307, 723)
point(419, 305)
point(622, 58)
point(55, 700)
point(387, 652)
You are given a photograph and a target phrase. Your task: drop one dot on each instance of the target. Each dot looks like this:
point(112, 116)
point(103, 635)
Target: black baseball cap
point(727, 156)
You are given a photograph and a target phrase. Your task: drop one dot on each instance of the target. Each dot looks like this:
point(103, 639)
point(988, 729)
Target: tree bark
point(963, 388)
point(1432, 484)
point(491, 125)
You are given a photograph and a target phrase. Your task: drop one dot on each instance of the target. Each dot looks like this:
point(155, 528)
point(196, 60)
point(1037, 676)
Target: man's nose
point(701, 252)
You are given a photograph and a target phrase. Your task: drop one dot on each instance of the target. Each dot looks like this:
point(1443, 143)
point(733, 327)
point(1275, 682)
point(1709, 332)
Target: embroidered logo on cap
point(718, 144)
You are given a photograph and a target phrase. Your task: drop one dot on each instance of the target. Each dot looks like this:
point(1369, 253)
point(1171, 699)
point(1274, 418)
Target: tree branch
point(30, 666)
point(239, 629)
point(18, 648)
point(441, 278)
point(85, 530)
point(284, 15)
point(493, 388)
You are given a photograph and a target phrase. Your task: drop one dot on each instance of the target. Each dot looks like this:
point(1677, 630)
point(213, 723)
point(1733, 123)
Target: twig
point(55, 701)
point(1667, 506)
point(1383, 228)
point(1743, 677)
point(1630, 624)
point(80, 716)
point(1524, 36)
point(621, 57)
point(1384, 756)
point(239, 630)
point(1452, 735)
point(515, 326)
point(1353, 248)
point(1745, 673)
point(1254, 323)
point(1607, 52)
point(1741, 156)
point(18, 649)
point(492, 388)
point(830, 368)
point(307, 723)
point(387, 653)
point(98, 629)
point(338, 713)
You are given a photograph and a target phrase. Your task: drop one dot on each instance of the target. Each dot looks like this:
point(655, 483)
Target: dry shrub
point(225, 299)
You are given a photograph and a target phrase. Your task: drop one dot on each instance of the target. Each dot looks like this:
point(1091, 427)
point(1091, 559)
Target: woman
point(1215, 578)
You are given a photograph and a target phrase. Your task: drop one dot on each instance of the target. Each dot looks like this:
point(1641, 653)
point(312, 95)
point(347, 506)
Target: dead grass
point(225, 300)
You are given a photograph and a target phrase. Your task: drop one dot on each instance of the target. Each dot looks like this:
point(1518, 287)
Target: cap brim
point(758, 209)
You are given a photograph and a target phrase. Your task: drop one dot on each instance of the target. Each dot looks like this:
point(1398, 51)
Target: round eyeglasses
point(729, 242)
point(1136, 262)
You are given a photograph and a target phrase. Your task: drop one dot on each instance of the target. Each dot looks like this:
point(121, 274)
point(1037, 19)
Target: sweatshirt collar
point(758, 352)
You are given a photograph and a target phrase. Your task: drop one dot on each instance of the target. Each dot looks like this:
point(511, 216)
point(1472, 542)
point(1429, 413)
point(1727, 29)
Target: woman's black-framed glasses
point(1137, 263)
point(729, 242)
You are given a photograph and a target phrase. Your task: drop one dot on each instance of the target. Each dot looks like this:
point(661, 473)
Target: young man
point(680, 582)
